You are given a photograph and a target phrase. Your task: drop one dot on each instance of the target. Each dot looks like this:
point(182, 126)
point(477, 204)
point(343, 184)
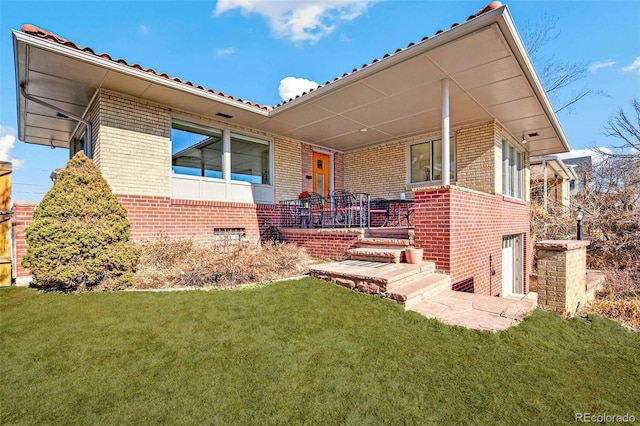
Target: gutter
point(88, 137)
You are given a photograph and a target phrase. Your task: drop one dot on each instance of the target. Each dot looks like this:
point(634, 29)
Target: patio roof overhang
point(554, 165)
point(490, 77)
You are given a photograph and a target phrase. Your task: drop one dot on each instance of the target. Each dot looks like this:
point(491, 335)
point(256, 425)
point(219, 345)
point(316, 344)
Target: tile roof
point(47, 35)
point(491, 6)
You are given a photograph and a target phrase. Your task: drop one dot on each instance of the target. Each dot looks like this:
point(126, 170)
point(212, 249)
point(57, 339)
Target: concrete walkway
point(477, 311)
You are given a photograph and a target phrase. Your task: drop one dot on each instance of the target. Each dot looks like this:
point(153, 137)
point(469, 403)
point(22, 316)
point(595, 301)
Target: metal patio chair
point(379, 207)
point(317, 209)
point(344, 207)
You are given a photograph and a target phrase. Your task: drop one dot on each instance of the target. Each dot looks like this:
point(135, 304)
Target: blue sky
point(247, 47)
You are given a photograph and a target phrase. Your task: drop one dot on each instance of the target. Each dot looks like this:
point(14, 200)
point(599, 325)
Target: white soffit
point(491, 78)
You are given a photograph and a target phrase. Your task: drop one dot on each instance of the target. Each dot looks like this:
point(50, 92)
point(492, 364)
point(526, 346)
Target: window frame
point(453, 153)
point(513, 170)
point(232, 132)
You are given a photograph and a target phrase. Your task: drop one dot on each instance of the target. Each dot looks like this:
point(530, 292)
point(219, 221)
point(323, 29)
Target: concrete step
point(379, 277)
point(384, 242)
point(414, 292)
point(426, 269)
point(390, 232)
point(377, 254)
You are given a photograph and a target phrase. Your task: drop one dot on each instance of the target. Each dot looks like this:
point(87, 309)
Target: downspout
point(88, 140)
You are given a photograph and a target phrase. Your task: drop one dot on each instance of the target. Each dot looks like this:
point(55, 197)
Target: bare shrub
point(620, 298)
point(170, 263)
point(556, 223)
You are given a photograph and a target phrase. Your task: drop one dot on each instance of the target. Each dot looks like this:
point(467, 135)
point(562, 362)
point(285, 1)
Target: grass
point(297, 352)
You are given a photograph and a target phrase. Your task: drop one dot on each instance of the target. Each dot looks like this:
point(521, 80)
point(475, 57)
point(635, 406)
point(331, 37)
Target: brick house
point(450, 120)
point(551, 182)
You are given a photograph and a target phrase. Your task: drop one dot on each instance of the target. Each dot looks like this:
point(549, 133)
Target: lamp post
point(579, 223)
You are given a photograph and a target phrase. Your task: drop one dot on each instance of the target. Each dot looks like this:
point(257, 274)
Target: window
point(512, 171)
point(426, 161)
point(228, 236)
point(198, 151)
point(249, 159)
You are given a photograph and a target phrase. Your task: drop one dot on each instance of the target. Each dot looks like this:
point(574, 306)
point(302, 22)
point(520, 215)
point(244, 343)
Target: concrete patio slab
point(477, 311)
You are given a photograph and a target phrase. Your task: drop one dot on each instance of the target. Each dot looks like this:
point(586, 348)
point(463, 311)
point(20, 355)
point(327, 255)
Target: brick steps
point(377, 254)
point(390, 232)
point(384, 242)
point(386, 248)
point(416, 291)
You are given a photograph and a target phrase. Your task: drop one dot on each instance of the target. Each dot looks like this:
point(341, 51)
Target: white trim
point(436, 181)
point(446, 129)
point(226, 180)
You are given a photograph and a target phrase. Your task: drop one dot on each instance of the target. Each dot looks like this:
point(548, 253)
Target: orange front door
point(321, 174)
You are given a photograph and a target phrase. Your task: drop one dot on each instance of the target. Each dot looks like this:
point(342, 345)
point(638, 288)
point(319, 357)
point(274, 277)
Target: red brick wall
point(23, 217)
point(150, 216)
point(323, 243)
point(462, 232)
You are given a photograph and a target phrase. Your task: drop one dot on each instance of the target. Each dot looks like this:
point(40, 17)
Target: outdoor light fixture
point(523, 140)
point(579, 223)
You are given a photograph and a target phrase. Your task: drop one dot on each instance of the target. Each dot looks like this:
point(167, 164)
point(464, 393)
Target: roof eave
point(29, 40)
point(419, 48)
point(510, 32)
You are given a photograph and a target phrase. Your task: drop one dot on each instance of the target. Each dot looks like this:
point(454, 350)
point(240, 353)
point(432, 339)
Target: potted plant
point(414, 255)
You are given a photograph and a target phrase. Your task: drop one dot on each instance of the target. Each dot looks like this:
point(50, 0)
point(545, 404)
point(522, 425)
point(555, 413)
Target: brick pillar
point(23, 217)
point(562, 268)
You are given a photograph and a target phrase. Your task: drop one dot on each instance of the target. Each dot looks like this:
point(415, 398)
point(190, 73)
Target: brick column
point(562, 271)
point(23, 216)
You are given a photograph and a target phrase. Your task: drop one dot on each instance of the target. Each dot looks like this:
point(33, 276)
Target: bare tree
point(627, 129)
point(557, 76)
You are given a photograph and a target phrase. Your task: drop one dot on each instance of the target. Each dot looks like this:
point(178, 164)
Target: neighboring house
point(551, 182)
point(582, 167)
point(451, 120)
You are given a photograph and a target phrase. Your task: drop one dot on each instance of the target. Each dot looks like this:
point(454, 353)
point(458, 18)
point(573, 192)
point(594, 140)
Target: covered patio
point(345, 209)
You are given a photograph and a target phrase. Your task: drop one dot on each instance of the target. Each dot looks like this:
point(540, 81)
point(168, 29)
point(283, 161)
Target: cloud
point(290, 87)
point(634, 67)
point(299, 20)
point(225, 51)
point(143, 29)
point(595, 66)
point(7, 139)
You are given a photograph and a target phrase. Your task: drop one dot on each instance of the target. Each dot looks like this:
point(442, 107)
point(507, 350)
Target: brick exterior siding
point(562, 285)
point(133, 136)
point(324, 243)
point(23, 216)
point(478, 159)
point(461, 229)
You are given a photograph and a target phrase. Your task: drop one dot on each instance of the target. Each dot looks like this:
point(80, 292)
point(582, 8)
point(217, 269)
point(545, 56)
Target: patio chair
point(344, 207)
point(379, 207)
point(317, 209)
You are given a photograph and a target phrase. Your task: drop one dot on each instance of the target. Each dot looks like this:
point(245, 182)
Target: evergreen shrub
point(79, 237)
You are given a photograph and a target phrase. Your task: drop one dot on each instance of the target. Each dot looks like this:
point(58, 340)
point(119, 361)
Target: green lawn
point(297, 352)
